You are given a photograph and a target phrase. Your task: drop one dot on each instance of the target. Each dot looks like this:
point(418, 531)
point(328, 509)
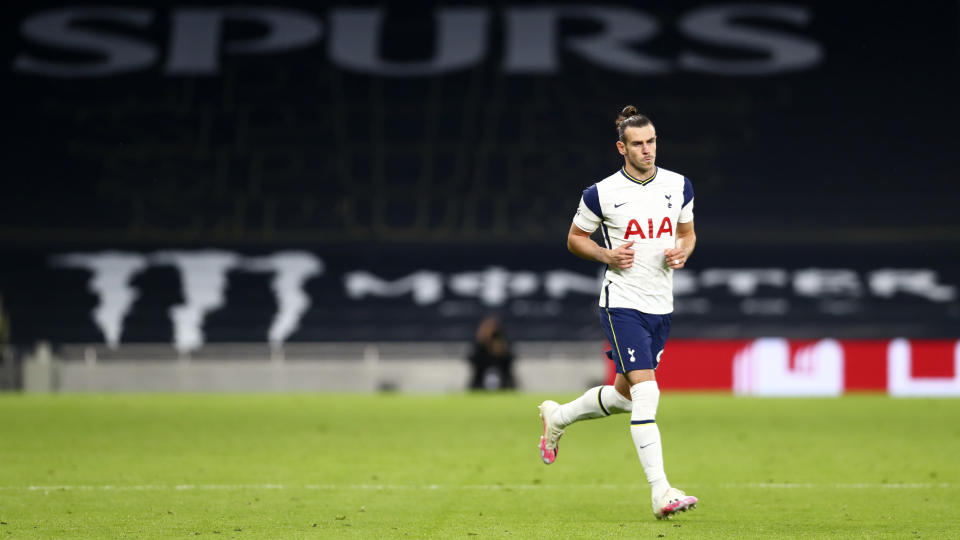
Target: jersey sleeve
point(589, 215)
point(686, 212)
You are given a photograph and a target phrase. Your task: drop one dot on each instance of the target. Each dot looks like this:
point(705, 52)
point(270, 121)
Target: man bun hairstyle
point(630, 117)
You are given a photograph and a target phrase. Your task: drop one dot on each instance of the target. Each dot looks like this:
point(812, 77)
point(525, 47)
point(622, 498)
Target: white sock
point(596, 402)
point(646, 435)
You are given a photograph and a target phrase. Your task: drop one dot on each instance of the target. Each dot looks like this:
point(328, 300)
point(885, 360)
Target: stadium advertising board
point(781, 367)
point(188, 297)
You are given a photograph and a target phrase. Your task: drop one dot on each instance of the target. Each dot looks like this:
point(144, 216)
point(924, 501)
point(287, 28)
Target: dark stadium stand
point(843, 163)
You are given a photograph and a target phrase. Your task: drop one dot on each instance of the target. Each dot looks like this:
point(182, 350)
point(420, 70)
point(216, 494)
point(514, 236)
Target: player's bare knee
point(641, 375)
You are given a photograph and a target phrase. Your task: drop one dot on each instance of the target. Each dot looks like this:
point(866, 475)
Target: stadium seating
point(828, 166)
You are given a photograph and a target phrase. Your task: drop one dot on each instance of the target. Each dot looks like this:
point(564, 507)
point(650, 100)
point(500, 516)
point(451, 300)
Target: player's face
point(640, 148)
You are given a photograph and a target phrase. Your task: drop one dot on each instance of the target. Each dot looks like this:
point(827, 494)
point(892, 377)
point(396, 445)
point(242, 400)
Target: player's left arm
point(686, 241)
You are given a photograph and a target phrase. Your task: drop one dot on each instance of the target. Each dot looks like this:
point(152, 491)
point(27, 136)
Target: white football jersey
point(646, 212)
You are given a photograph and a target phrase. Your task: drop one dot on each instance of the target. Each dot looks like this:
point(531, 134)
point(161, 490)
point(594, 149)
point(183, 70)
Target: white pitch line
point(144, 487)
point(455, 487)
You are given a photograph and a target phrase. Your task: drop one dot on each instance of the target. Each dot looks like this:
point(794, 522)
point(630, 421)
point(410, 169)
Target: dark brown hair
point(630, 117)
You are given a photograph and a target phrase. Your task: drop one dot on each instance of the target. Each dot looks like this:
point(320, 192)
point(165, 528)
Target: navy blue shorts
point(636, 338)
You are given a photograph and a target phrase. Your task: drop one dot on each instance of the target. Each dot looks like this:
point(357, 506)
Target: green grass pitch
point(466, 466)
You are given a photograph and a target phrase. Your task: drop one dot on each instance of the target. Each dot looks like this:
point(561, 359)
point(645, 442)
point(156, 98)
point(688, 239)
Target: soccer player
point(646, 215)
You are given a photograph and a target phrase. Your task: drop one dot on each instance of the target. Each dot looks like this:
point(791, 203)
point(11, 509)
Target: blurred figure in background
point(491, 357)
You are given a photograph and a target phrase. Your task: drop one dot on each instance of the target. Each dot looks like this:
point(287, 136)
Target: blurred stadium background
point(314, 196)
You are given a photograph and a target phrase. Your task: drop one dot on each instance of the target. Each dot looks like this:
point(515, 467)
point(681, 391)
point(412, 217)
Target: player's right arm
point(580, 244)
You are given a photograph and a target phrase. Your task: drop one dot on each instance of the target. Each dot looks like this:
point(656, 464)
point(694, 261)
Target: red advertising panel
point(781, 367)
point(698, 365)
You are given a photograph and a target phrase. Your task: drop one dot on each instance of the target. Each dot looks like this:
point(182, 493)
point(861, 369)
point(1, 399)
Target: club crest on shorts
point(630, 352)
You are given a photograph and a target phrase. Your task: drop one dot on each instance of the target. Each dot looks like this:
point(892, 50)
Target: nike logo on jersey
point(619, 205)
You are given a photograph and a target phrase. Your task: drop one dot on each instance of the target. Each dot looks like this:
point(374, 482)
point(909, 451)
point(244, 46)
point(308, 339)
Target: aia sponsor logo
point(634, 228)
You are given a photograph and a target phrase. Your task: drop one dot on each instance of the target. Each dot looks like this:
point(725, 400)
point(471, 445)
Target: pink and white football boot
point(551, 433)
point(673, 501)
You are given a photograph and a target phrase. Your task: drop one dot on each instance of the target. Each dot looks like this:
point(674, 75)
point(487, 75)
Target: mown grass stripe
point(476, 487)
